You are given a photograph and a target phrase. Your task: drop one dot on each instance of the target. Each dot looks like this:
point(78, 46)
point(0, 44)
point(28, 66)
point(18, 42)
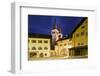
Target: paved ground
point(59, 58)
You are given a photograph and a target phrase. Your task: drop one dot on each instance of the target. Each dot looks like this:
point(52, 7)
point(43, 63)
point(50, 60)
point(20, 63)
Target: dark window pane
point(45, 41)
point(45, 54)
point(83, 26)
point(78, 43)
point(45, 48)
point(40, 48)
point(39, 41)
point(77, 35)
point(33, 48)
point(33, 41)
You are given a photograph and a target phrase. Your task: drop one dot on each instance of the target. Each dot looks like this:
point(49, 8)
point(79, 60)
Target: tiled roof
point(35, 35)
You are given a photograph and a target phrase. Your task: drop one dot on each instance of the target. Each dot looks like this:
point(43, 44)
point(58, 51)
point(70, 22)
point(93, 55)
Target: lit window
point(33, 48)
point(40, 48)
point(39, 41)
point(33, 41)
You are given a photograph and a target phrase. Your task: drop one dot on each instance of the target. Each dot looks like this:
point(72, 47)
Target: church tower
point(60, 32)
point(56, 34)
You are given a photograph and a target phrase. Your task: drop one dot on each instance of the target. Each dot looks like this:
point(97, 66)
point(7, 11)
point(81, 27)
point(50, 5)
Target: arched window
point(33, 54)
point(33, 48)
point(41, 54)
point(40, 48)
point(45, 48)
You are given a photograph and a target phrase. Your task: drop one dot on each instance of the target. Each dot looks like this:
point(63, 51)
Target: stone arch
point(41, 54)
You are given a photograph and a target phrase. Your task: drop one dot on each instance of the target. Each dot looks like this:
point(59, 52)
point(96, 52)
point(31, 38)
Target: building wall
point(77, 45)
point(62, 47)
point(80, 40)
point(40, 46)
point(80, 36)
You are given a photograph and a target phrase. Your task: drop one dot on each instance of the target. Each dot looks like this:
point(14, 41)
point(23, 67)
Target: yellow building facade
point(80, 40)
point(62, 47)
point(38, 46)
point(73, 46)
point(76, 45)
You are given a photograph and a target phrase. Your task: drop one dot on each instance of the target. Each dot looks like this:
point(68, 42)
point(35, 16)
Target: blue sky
point(44, 24)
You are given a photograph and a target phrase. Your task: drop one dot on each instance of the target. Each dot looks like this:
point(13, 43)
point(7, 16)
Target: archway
point(41, 54)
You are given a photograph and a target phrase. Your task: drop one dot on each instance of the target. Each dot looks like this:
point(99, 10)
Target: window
point(82, 33)
point(45, 48)
point(33, 41)
point(41, 54)
point(45, 54)
point(45, 41)
point(83, 27)
point(33, 48)
point(33, 54)
point(40, 48)
point(77, 35)
point(39, 41)
point(78, 43)
point(59, 36)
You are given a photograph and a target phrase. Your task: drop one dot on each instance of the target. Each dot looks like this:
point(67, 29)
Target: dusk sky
point(43, 24)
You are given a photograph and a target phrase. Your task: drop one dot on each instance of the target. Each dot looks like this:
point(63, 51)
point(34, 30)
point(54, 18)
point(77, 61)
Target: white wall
point(5, 33)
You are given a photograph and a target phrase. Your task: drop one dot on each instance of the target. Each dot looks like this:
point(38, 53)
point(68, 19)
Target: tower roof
point(55, 26)
point(59, 28)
